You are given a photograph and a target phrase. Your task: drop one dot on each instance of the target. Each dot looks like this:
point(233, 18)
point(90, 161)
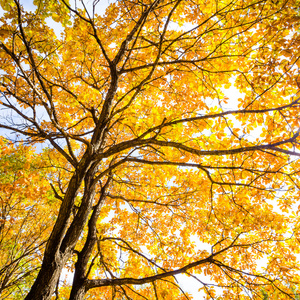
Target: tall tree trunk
point(45, 283)
point(65, 234)
point(78, 288)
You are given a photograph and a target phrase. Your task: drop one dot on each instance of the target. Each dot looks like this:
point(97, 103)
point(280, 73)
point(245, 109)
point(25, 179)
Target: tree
point(24, 222)
point(146, 151)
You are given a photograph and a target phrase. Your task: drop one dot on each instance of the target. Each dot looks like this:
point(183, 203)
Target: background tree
point(148, 154)
point(27, 210)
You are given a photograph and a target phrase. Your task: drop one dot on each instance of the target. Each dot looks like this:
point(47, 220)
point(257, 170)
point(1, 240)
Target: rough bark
point(64, 235)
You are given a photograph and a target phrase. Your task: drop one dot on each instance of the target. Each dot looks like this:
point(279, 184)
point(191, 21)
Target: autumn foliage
point(147, 139)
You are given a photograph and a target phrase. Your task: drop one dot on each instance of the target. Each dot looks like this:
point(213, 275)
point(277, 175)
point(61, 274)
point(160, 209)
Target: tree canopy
point(146, 166)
